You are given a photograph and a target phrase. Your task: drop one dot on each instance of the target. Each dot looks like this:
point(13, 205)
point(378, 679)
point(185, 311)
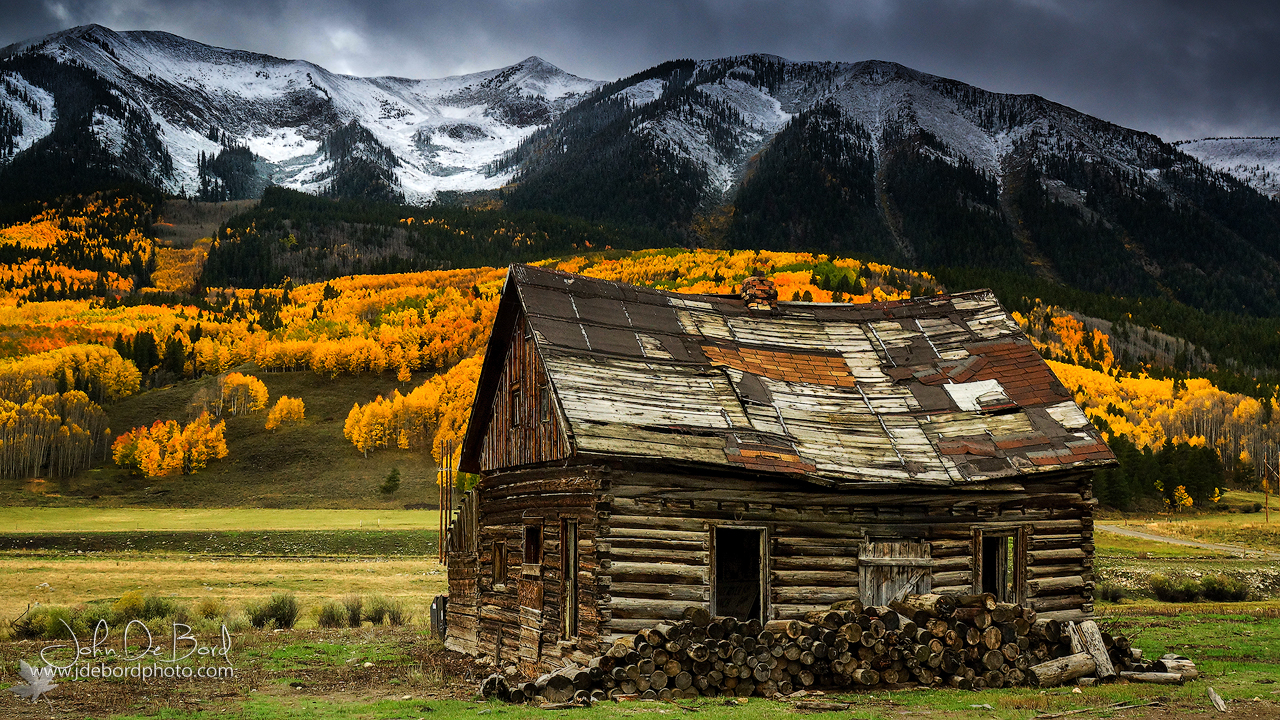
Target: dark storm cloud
point(1178, 68)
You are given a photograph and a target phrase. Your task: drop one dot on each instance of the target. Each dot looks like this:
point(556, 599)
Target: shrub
point(282, 608)
point(1172, 590)
point(60, 622)
point(210, 608)
point(128, 607)
point(95, 612)
point(1110, 592)
point(1250, 508)
point(392, 483)
point(31, 624)
point(333, 614)
point(354, 606)
point(1221, 588)
point(258, 613)
point(398, 615)
point(154, 607)
point(377, 610)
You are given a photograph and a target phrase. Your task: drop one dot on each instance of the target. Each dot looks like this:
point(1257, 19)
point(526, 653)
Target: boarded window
point(499, 562)
point(999, 564)
point(544, 401)
point(889, 570)
point(569, 578)
point(532, 545)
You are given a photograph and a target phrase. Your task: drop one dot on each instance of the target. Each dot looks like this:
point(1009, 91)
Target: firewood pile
point(965, 642)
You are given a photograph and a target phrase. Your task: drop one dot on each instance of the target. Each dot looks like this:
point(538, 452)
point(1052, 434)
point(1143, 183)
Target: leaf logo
point(39, 681)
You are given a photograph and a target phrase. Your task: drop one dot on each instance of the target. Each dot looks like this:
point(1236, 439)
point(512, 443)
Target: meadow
point(239, 557)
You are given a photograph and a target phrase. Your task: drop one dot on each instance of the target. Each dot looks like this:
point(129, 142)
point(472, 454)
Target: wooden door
point(891, 569)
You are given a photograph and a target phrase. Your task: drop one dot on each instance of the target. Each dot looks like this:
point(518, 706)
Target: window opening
point(499, 562)
point(997, 565)
point(515, 404)
point(532, 545)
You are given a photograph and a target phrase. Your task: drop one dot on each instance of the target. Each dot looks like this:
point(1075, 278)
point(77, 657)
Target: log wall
point(656, 534)
point(518, 616)
point(645, 545)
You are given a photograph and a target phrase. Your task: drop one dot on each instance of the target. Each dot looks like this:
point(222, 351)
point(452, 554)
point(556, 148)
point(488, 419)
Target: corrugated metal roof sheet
point(939, 390)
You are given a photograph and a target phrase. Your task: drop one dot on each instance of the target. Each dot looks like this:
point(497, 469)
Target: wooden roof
point(943, 390)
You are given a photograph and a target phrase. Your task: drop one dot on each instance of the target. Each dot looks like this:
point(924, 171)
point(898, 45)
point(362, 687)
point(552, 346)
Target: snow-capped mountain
point(754, 151)
point(199, 99)
point(879, 159)
point(1254, 161)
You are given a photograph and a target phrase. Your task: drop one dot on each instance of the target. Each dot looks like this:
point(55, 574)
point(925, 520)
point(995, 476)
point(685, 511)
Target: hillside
point(384, 364)
point(757, 151)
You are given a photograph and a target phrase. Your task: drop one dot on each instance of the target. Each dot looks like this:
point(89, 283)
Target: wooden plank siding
point(525, 427)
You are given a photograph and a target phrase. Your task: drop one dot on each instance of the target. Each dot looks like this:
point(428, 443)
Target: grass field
point(68, 581)
point(83, 519)
point(380, 673)
point(384, 673)
point(306, 466)
point(1222, 523)
point(1110, 545)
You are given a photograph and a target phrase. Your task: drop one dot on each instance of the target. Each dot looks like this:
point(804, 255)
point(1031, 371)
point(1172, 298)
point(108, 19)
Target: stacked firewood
point(966, 642)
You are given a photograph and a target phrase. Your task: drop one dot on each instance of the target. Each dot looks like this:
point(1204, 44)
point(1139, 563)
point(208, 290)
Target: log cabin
point(641, 452)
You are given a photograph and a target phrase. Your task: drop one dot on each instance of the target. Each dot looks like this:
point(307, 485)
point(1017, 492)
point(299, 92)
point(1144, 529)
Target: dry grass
point(1265, 610)
point(80, 579)
point(84, 519)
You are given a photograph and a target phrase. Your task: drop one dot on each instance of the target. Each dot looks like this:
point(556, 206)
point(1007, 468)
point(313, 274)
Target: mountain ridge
point(752, 151)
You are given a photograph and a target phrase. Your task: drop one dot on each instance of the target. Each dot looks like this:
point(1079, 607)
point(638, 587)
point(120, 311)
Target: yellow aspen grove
point(286, 409)
point(431, 413)
point(166, 448)
point(242, 394)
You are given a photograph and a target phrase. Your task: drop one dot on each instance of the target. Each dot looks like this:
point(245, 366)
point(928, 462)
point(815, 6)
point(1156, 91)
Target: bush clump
point(376, 609)
point(210, 608)
point(283, 609)
point(258, 614)
point(1174, 590)
point(355, 610)
point(333, 614)
point(397, 614)
point(1110, 592)
point(1221, 588)
point(280, 611)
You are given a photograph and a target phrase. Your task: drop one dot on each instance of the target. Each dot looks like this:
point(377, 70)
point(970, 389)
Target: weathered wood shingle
point(934, 391)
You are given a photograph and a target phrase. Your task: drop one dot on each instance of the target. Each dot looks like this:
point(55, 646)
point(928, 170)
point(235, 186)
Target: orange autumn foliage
point(166, 448)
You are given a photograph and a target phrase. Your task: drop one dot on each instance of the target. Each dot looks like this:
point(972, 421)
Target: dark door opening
point(738, 589)
point(997, 558)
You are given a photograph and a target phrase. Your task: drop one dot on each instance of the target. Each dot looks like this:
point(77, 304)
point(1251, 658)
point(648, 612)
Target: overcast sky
point(1178, 68)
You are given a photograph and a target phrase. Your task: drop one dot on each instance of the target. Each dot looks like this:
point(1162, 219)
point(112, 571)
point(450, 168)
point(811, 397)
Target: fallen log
point(1159, 678)
point(1061, 670)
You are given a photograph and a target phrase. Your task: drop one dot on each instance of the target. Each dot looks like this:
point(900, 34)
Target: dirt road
point(1233, 549)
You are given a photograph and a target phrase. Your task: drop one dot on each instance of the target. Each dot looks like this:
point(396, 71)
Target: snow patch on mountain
point(283, 109)
point(1254, 161)
point(643, 92)
point(31, 105)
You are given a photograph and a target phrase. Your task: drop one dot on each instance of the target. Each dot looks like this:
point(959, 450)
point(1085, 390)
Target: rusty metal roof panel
point(938, 390)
